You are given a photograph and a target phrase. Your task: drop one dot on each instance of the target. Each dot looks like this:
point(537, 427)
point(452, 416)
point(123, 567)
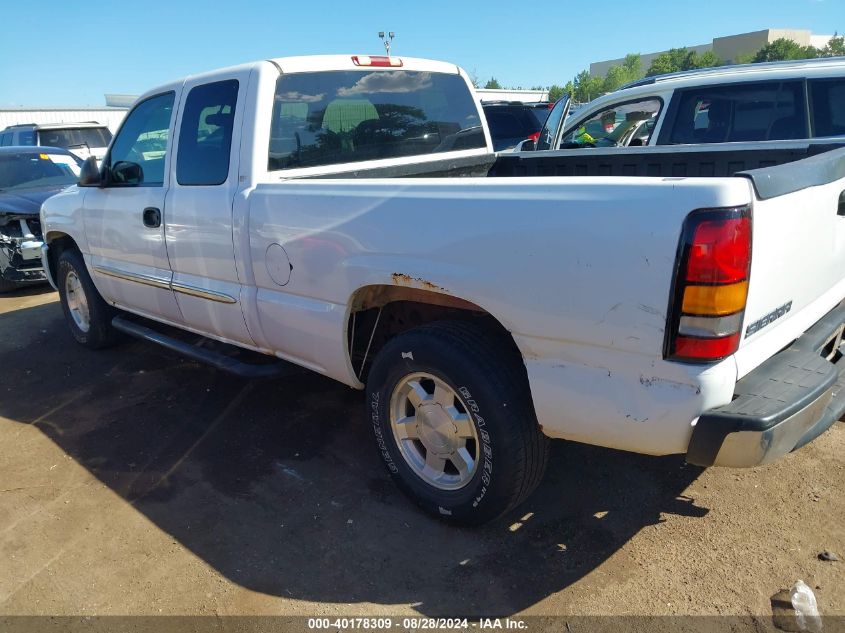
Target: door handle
point(152, 217)
point(841, 210)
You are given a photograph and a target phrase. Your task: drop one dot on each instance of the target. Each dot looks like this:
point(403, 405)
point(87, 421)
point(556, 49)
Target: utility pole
point(386, 42)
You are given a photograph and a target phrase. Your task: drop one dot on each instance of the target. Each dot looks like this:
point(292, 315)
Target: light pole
point(386, 42)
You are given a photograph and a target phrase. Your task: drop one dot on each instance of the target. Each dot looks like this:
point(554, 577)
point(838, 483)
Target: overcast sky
point(71, 53)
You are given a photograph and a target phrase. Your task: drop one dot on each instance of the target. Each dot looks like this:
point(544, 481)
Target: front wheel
point(454, 422)
point(88, 316)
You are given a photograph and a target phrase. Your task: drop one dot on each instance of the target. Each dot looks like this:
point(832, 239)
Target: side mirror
point(89, 175)
point(528, 145)
point(125, 172)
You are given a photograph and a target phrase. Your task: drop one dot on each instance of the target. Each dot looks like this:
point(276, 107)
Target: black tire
point(100, 332)
point(489, 376)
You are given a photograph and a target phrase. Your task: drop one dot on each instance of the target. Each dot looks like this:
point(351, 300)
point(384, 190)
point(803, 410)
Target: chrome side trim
point(147, 280)
point(202, 293)
point(166, 284)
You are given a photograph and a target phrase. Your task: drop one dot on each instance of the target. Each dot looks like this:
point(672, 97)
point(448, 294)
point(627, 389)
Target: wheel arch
point(379, 312)
point(58, 242)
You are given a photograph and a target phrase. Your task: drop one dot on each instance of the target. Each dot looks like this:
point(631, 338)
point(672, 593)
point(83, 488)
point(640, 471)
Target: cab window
point(205, 136)
point(325, 118)
point(139, 149)
point(622, 124)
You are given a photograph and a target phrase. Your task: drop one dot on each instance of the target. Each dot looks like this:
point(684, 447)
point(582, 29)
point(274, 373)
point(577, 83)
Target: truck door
point(124, 218)
point(199, 202)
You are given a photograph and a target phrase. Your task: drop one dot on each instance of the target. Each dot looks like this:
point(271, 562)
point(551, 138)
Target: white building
point(727, 48)
point(110, 116)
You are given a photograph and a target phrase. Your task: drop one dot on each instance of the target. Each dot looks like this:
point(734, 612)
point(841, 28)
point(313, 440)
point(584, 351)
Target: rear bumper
point(782, 405)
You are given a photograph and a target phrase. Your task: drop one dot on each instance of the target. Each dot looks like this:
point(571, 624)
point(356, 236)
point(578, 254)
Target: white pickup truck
point(347, 214)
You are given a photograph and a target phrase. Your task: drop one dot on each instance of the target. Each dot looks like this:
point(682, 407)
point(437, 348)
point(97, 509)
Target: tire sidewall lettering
point(377, 431)
point(486, 452)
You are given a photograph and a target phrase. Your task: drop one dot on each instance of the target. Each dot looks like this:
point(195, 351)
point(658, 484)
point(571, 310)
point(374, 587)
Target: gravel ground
point(134, 482)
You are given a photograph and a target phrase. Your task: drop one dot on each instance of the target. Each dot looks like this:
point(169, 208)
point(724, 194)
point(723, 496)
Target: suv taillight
point(710, 286)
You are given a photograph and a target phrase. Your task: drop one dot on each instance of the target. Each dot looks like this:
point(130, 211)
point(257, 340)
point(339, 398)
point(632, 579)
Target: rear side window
point(327, 118)
point(205, 138)
point(27, 137)
point(828, 102)
point(75, 137)
point(514, 123)
point(5, 139)
point(735, 113)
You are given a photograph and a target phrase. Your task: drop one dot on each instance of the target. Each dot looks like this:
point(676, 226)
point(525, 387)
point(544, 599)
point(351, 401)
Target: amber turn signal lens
point(715, 300)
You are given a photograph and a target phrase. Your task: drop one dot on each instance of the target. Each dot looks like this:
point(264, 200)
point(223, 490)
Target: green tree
point(615, 77)
point(633, 66)
point(784, 48)
point(678, 59)
point(672, 61)
point(834, 48)
point(587, 87)
point(556, 92)
point(707, 59)
point(493, 84)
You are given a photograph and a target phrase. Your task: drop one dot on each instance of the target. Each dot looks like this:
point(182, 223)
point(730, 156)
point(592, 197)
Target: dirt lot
point(133, 482)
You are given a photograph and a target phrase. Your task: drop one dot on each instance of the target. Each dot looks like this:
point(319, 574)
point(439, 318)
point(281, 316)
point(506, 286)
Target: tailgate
point(798, 253)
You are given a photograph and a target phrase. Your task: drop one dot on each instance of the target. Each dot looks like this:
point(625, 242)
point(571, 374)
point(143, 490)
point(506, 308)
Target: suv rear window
point(326, 118)
point(75, 137)
point(510, 124)
point(828, 99)
point(734, 113)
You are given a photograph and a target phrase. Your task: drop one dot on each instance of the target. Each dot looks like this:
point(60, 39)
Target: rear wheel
point(454, 423)
point(88, 316)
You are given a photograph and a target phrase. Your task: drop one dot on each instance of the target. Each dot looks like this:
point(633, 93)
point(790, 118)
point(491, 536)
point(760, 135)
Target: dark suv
point(512, 121)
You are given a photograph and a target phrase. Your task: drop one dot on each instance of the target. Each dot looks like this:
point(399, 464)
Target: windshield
point(75, 137)
point(31, 170)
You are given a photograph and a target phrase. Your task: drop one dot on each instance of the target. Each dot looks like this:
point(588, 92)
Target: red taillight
point(376, 60)
point(534, 137)
point(706, 348)
point(720, 251)
point(710, 286)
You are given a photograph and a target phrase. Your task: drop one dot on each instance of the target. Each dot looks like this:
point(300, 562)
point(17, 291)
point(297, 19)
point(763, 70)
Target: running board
point(203, 355)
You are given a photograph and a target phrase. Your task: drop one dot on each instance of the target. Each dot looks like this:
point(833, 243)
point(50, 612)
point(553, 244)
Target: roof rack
point(714, 70)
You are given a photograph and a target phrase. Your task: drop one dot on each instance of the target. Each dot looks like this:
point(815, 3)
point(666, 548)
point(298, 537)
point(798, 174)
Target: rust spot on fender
point(402, 279)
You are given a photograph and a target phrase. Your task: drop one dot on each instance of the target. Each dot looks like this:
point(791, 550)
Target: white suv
point(82, 139)
point(750, 102)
